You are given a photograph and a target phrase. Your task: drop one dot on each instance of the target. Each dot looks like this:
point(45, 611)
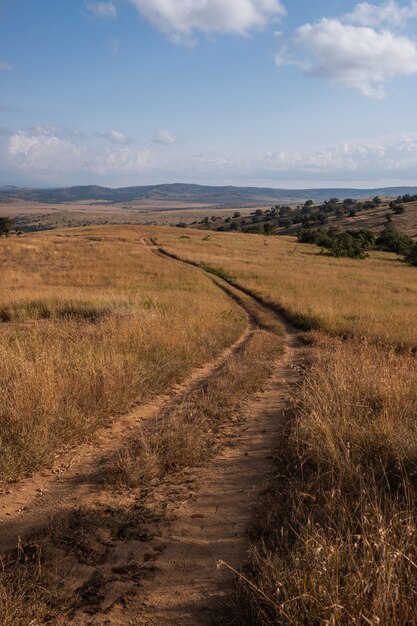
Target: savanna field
point(336, 542)
point(94, 322)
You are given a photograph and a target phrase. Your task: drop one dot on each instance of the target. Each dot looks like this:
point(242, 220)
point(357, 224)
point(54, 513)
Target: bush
point(318, 236)
point(390, 240)
point(411, 256)
point(348, 245)
point(5, 225)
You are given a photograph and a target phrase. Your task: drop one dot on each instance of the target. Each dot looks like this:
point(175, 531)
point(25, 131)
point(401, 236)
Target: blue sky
point(245, 92)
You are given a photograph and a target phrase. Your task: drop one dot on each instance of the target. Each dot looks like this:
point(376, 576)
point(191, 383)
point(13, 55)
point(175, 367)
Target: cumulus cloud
point(101, 9)
point(390, 13)
point(180, 19)
point(6, 67)
point(165, 137)
point(343, 156)
point(122, 160)
point(116, 137)
point(40, 149)
point(359, 56)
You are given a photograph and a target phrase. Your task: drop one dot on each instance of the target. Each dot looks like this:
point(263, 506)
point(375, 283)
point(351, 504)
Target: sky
point(273, 93)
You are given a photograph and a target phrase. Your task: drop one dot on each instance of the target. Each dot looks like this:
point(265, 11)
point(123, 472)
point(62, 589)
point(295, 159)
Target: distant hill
point(219, 196)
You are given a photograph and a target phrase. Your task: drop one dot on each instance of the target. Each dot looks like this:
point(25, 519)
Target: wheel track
point(209, 508)
point(76, 476)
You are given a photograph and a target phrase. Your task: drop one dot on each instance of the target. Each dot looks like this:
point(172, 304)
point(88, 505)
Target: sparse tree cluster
point(357, 244)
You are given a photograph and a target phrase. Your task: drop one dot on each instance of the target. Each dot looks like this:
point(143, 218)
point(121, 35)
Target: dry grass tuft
point(336, 541)
point(24, 596)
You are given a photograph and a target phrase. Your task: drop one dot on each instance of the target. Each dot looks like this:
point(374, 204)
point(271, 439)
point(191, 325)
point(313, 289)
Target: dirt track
point(206, 510)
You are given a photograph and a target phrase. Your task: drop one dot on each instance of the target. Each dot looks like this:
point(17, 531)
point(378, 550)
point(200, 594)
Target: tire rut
point(76, 476)
point(206, 510)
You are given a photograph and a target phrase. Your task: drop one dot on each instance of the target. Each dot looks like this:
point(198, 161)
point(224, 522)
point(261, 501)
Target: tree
point(268, 229)
point(5, 225)
point(348, 245)
point(411, 256)
point(390, 240)
point(236, 214)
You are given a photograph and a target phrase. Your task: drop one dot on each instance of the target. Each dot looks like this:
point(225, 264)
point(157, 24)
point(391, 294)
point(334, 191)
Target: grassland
point(31, 216)
point(92, 322)
point(335, 541)
point(375, 298)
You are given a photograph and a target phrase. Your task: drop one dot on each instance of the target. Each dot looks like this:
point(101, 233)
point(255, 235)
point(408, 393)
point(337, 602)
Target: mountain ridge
point(227, 195)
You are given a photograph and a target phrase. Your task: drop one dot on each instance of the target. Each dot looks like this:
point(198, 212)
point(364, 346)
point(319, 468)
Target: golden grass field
point(376, 298)
point(92, 322)
point(336, 539)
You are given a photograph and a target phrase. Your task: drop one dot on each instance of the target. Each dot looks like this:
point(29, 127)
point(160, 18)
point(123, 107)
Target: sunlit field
point(335, 541)
point(92, 322)
point(375, 298)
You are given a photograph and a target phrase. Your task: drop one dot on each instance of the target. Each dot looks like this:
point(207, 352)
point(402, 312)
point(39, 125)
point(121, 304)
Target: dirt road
point(171, 576)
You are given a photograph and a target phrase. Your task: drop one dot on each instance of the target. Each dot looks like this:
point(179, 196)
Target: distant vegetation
point(290, 219)
point(5, 225)
point(356, 244)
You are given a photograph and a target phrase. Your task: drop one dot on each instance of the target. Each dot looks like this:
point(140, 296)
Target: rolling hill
point(220, 196)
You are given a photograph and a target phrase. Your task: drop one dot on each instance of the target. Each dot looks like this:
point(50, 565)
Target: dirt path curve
point(206, 510)
point(210, 522)
point(76, 476)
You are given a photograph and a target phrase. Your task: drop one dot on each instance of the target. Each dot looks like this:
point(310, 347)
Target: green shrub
point(411, 256)
point(390, 240)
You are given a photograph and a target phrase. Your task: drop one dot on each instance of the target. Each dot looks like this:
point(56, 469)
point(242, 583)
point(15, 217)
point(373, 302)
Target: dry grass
point(24, 597)
point(336, 540)
point(374, 298)
point(93, 322)
point(186, 434)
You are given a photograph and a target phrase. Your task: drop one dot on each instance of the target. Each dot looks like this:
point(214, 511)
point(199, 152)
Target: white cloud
point(358, 56)
point(123, 160)
point(116, 137)
point(102, 9)
point(38, 151)
point(43, 150)
point(390, 13)
point(386, 158)
point(181, 18)
point(340, 157)
point(165, 137)
point(6, 67)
